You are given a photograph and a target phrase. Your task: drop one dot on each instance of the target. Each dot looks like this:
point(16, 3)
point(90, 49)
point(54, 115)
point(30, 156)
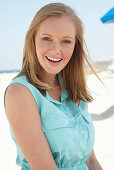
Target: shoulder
point(21, 108)
point(20, 89)
point(17, 91)
point(18, 98)
point(83, 105)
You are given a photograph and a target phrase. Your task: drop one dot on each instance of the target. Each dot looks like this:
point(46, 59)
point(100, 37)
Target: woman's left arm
point(93, 163)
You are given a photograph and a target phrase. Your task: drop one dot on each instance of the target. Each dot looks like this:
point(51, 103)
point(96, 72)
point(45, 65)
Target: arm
point(24, 118)
point(93, 163)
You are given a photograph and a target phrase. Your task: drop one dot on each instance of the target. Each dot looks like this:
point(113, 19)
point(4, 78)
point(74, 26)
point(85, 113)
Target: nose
point(56, 47)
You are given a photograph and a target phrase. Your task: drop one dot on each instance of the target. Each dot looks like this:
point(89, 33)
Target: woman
point(46, 104)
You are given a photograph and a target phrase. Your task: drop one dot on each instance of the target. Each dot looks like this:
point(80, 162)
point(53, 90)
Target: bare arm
point(93, 163)
point(24, 118)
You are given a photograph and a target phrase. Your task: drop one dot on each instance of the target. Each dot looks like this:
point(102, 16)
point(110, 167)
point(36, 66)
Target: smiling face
point(55, 41)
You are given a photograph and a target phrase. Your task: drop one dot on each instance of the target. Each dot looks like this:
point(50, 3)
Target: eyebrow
point(68, 37)
point(62, 37)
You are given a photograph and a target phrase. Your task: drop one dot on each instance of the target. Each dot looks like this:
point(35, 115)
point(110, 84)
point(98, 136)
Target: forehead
point(57, 25)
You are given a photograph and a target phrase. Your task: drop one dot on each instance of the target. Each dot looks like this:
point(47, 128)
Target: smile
point(53, 59)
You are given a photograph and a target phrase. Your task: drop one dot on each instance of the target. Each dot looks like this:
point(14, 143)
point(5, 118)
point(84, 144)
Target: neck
point(51, 79)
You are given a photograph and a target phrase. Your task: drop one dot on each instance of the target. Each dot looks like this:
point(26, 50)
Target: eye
point(67, 41)
point(47, 38)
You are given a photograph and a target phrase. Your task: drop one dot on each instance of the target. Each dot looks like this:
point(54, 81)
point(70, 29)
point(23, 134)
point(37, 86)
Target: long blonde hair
point(73, 75)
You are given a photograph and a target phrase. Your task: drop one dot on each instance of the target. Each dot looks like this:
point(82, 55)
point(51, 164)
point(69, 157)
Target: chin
point(54, 72)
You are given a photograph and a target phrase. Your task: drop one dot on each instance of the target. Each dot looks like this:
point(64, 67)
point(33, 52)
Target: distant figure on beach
point(46, 103)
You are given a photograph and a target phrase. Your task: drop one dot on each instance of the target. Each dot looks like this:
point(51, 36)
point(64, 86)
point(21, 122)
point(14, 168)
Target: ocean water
point(9, 71)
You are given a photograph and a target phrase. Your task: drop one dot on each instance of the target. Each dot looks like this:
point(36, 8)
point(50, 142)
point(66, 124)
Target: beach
point(101, 110)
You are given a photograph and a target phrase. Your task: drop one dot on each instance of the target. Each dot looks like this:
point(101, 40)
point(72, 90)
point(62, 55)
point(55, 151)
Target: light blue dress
point(68, 129)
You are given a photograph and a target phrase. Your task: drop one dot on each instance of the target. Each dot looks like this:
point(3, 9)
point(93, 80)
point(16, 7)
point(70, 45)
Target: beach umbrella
point(108, 17)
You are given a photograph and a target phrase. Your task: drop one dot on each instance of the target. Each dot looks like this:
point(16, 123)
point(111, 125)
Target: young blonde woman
point(46, 104)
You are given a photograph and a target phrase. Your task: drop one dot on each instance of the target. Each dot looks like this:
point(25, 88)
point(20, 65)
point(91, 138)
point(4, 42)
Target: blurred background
point(15, 18)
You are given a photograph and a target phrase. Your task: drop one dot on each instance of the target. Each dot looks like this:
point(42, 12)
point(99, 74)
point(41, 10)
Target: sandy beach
point(101, 110)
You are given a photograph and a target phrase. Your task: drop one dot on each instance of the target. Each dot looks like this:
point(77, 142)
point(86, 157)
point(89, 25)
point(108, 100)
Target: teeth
point(53, 59)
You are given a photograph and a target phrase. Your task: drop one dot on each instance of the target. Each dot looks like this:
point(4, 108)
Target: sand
point(101, 110)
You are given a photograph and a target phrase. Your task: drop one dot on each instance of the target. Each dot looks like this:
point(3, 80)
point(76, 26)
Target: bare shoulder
point(19, 98)
point(25, 121)
point(17, 91)
point(21, 108)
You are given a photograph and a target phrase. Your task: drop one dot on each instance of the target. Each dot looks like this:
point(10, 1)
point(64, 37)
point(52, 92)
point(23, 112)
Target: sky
point(16, 16)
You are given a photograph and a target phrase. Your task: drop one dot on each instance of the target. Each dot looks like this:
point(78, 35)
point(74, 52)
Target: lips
point(53, 59)
point(51, 62)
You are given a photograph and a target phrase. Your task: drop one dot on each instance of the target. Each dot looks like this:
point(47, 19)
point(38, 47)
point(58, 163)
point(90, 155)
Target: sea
point(9, 71)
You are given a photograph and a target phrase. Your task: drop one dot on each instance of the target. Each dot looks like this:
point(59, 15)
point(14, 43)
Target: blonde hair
point(73, 75)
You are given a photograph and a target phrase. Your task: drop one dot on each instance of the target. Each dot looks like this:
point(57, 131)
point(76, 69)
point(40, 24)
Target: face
point(55, 41)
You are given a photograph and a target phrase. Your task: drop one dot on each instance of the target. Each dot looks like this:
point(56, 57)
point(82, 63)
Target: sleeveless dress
point(68, 129)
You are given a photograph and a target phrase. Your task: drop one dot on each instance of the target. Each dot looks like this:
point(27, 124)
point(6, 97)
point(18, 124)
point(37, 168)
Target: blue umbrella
point(109, 16)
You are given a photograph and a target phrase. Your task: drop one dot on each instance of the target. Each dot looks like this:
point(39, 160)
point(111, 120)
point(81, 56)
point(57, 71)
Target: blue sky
point(16, 16)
